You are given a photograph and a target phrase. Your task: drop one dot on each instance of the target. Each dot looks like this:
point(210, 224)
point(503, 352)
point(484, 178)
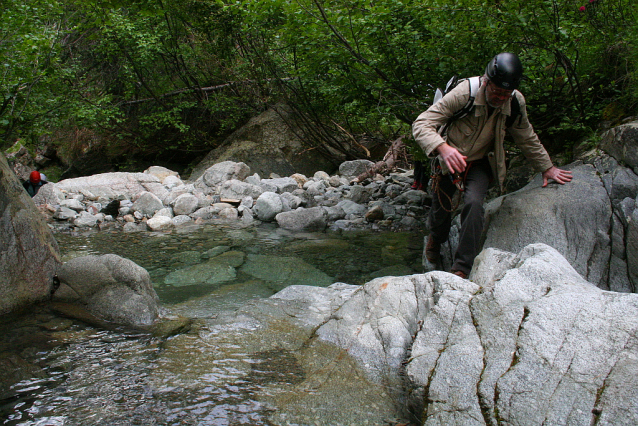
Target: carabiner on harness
point(458, 181)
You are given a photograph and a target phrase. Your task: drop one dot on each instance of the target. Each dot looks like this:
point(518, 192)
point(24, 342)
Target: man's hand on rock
point(452, 158)
point(559, 175)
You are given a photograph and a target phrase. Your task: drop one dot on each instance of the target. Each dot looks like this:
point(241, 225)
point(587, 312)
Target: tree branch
point(388, 162)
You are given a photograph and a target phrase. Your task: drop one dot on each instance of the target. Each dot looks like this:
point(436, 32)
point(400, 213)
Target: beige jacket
point(477, 135)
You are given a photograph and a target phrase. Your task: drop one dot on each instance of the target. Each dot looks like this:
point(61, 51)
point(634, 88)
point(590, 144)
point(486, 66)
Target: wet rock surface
point(110, 287)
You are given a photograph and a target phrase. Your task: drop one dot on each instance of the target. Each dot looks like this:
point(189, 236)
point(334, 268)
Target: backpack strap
point(475, 83)
point(515, 112)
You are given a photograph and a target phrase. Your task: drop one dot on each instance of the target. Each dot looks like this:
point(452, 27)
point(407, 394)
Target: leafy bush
point(151, 78)
point(363, 63)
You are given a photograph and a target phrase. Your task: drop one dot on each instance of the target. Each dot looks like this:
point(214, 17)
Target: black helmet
point(505, 70)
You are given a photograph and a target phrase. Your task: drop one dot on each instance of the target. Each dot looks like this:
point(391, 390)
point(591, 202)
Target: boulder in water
point(110, 287)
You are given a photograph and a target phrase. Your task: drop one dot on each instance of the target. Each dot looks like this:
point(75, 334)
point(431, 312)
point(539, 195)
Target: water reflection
point(60, 371)
point(179, 261)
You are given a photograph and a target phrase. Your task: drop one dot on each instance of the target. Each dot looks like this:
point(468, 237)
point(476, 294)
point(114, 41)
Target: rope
point(436, 179)
point(457, 179)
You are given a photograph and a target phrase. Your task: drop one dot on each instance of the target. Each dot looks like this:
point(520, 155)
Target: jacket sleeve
point(527, 140)
point(425, 127)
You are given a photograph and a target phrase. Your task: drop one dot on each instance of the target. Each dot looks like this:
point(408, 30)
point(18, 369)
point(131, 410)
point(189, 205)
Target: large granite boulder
point(352, 169)
point(270, 143)
point(573, 218)
point(311, 219)
point(111, 288)
point(529, 341)
point(589, 221)
point(632, 248)
point(235, 189)
point(211, 180)
point(48, 194)
point(29, 255)
point(536, 345)
point(115, 185)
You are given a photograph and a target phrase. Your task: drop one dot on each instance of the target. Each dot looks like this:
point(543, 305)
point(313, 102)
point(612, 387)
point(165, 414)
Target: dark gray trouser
point(477, 181)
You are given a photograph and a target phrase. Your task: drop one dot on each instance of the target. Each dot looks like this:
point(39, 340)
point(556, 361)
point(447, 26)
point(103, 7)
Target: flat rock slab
point(113, 185)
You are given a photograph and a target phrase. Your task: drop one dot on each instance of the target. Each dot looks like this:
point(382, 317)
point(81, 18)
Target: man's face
point(496, 96)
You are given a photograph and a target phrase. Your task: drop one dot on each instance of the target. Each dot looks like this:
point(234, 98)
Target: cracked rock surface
point(528, 341)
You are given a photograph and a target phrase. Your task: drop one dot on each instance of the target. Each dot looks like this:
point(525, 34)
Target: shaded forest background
point(161, 82)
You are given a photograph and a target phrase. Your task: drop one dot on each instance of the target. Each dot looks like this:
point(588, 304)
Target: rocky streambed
point(159, 200)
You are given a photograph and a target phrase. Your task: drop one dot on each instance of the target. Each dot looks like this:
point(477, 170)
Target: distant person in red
point(36, 180)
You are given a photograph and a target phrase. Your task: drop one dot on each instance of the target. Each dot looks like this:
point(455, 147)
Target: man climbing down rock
point(471, 155)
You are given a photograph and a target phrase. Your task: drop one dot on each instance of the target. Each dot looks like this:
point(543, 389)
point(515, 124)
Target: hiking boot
point(459, 274)
point(432, 251)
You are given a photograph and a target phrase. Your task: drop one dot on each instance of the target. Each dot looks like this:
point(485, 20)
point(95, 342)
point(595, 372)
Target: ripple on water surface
point(64, 372)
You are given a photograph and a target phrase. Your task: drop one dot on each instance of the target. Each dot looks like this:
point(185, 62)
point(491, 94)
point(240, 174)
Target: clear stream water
point(61, 371)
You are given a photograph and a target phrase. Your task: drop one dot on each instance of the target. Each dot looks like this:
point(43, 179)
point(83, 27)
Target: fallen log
point(389, 161)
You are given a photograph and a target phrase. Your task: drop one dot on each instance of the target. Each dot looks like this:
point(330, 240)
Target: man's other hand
point(559, 175)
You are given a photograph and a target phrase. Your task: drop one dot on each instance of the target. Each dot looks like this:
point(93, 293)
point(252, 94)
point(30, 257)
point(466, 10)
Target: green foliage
point(152, 77)
point(362, 62)
point(29, 32)
point(561, 44)
point(152, 69)
point(53, 173)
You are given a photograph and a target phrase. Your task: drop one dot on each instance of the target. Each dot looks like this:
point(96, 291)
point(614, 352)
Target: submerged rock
point(211, 272)
point(110, 287)
point(281, 272)
point(306, 381)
